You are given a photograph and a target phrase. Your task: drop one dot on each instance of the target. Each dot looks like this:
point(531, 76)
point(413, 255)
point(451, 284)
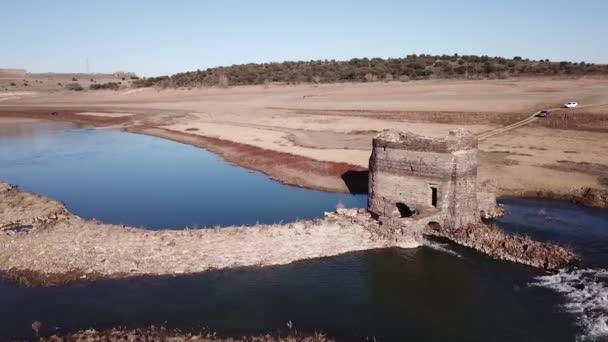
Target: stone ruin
point(417, 181)
point(428, 186)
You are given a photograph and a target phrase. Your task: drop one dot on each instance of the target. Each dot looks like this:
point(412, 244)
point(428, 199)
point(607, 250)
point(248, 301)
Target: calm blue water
point(138, 180)
point(439, 292)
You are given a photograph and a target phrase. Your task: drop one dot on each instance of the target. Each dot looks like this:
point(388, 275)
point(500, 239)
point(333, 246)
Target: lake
point(439, 292)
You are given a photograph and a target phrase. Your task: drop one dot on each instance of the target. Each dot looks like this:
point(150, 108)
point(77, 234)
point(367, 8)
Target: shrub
point(109, 85)
point(13, 84)
point(371, 70)
point(74, 87)
point(74, 79)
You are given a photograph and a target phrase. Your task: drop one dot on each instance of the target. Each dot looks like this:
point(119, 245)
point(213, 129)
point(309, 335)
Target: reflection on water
point(392, 295)
point(438, 292)
point(137, 180)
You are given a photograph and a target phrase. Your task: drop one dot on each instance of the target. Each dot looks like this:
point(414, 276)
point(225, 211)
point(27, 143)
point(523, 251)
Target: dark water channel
point(437, 292)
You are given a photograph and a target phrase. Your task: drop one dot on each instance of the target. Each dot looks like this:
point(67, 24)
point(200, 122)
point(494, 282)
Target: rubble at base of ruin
point(428, 186)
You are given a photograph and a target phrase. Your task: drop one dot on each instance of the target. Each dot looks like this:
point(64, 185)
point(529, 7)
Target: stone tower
point(421, 177)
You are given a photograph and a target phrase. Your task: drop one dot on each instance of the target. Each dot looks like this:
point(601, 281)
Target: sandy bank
point(299, 134)
point(283, 167)
point(64, 248)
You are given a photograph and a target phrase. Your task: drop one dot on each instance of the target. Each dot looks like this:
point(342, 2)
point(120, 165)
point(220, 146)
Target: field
point(320, 135)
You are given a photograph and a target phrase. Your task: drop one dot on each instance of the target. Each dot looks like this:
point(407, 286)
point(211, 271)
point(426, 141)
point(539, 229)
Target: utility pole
point(87, 65)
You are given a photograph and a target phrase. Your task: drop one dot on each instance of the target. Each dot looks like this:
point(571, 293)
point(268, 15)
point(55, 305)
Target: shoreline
point(43, 245)
point(286, 168)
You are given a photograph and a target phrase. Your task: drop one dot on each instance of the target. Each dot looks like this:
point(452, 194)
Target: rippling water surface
point(439, 292)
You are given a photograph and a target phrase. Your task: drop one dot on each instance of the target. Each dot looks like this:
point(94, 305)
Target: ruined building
point(416, 180)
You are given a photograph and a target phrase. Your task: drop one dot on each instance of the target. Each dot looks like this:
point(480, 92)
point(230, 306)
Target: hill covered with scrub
point(412, 67)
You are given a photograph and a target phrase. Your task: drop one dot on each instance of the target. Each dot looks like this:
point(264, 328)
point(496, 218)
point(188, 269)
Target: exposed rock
point(163, 334)
point(68, 249)
point(493, 241)
point(597, 198)
point(488, 208)
point(422, 185)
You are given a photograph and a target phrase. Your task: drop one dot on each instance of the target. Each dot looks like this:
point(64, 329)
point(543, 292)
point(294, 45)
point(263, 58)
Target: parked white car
point(571, 105)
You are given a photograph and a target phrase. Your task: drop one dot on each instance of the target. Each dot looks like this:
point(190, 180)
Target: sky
point(152, 38)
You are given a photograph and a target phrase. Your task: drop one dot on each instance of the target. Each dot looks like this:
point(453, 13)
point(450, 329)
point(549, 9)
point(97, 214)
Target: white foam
point(442, 247)
point(586, 293)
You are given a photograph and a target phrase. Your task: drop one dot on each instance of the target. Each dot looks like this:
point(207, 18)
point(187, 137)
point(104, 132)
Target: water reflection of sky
point(118, 177)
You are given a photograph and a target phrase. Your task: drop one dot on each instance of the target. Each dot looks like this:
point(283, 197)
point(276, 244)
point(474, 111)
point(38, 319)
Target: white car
point(571, 105)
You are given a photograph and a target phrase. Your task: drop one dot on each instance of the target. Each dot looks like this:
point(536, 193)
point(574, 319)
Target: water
point(137, 180)
point(439, 292)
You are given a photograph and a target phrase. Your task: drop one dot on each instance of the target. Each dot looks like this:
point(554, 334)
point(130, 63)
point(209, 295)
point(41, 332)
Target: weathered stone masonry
point(433, 180)
point(424, 186)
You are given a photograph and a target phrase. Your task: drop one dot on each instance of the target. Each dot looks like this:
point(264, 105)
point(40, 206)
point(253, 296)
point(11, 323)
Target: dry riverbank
point(65, 248)
point(318, 136)
point(162, 334)
point(43, 245)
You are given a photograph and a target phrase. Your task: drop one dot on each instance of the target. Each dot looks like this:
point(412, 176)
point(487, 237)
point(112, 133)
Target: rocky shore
point(163, 334)
point(42, 244)
point(66, 248)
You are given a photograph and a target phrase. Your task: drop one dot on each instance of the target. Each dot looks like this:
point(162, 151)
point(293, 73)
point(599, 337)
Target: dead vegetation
point(443, 117)
point(164, 334)
point(594, 169)
point(501, 158)
point(575, 120)
point(283, 167)
point(69, 249)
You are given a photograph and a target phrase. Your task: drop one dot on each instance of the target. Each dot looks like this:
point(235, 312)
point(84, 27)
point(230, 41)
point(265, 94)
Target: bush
point(109, 85)
point(74, 87)
point(74, 79)
point(371, 70)
point(13, 84)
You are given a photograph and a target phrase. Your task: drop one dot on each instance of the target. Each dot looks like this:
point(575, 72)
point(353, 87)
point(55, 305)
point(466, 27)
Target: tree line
point(411, 67)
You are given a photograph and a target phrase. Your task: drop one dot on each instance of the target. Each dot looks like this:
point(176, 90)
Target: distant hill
point(412, 67)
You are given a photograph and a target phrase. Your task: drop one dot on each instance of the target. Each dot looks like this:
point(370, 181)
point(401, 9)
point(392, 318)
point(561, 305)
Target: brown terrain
point(318, 136)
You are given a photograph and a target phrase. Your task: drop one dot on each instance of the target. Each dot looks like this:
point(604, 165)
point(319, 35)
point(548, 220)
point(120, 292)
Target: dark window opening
point(434, 196)
point(404, 210)
point(383, 148)
point(435, 226)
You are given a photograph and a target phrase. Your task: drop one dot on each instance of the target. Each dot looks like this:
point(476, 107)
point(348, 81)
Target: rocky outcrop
point(163, 334)
point(487, 206)
point(596, 198)
point(67, 249)
point(20, 210)
point(494, 242)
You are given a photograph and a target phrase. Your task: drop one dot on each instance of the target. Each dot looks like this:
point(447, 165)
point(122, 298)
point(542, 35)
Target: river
point(439, 292)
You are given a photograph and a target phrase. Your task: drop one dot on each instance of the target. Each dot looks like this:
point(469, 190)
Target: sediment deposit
point(68, 248)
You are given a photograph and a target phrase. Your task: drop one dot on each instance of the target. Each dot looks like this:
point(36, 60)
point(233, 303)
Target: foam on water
point(586, 293)
point(442, 247)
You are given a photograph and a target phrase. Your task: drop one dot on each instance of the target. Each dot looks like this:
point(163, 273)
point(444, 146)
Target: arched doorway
point(404, 210)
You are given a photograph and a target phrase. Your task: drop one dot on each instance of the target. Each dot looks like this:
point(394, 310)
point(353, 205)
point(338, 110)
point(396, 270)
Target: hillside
point(412, 67)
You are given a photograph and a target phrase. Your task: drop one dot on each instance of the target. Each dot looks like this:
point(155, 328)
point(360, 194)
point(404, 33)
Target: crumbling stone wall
point(425, 175)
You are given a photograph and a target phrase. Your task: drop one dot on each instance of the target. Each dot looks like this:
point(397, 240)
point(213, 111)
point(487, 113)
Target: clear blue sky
point(153, 37)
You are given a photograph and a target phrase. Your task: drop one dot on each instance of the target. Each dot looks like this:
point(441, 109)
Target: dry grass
point(163, 334)
point(594, 169)
point(594, 122)
point(443, 117)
